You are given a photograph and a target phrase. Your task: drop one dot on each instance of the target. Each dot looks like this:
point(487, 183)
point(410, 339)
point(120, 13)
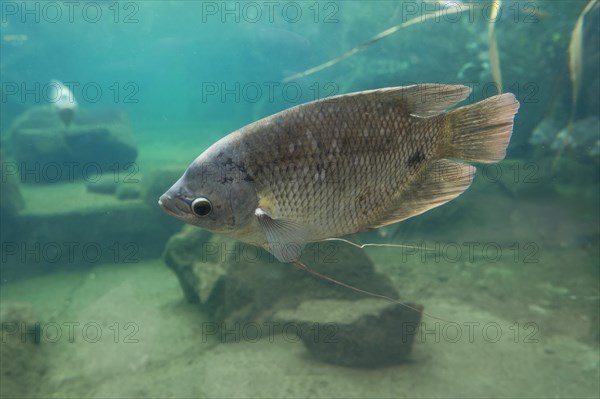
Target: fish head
point(212, 195)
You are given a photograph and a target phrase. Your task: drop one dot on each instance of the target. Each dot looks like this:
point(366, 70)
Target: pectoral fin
point(285, 238)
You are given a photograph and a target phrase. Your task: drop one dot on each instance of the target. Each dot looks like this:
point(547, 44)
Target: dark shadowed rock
point(11, 200)
point(123, 190)
point(127, 191)
point(235, 282)
point(104, 185)
point(101, 143)
point(22, 360)
point(365, 333)
point(182, 254)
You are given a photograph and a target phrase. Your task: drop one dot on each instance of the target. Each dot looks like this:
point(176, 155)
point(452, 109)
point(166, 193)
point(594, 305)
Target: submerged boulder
point(123, 190)
point(92, 145)
point(365, 333)
point(581, 136)
point(238, 283)
point(243, 289)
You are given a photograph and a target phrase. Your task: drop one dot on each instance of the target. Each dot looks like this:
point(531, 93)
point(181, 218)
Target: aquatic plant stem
point(575, 71)
point(374, 39)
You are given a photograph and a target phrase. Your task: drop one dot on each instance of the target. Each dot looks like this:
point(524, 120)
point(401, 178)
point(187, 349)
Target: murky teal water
point(519, 250)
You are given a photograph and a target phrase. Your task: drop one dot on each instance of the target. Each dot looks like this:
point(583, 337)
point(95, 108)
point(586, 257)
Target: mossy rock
point(236, 282)
point(22, 355)
point(365, 333)
point(96, 144)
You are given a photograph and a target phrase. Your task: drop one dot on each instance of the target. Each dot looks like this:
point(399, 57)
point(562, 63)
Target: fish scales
point(338, 164)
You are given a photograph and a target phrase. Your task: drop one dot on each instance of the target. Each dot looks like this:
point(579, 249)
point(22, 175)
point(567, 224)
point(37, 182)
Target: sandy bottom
point(153, 344)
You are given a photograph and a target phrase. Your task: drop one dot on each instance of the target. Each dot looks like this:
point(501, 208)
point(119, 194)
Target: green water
point(517, 254)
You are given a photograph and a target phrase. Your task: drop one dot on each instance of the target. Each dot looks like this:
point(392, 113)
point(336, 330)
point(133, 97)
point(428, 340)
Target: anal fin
point(441, 182)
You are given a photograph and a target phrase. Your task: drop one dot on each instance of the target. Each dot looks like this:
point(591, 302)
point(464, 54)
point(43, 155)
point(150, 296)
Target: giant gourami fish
point(341, 165)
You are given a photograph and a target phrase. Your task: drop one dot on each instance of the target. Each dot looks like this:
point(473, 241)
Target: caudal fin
point(480, 132)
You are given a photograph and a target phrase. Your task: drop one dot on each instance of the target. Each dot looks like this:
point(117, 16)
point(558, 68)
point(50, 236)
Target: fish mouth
point(173, 205)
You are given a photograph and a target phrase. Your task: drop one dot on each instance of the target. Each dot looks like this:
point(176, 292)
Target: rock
point(365, 333)
point(544, 132)
point(105, 185)
point(92, 145)
point(57, 227)
point(123, 190)
point(127, 191)
point(181, 254)
point(11, 200)
point(581, 137)
point(22, 360)
point(235, 282)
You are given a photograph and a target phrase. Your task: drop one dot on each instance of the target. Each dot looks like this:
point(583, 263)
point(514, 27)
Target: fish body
point(341, 165)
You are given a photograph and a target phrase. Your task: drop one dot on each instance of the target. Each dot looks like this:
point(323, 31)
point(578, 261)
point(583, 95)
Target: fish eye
point(201, 206)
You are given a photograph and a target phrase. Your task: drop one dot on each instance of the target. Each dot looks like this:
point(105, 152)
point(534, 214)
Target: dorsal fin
point(422, 100)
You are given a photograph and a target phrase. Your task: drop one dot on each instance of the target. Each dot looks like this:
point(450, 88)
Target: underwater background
point(104, 295)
